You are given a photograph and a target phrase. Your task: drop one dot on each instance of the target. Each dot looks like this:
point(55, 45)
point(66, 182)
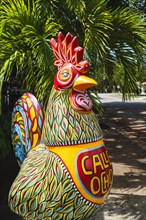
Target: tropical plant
point(24, 39)
point(109, 37)
point(127, 46)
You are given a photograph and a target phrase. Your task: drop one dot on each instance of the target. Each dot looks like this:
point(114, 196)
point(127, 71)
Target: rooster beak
point(84, 82)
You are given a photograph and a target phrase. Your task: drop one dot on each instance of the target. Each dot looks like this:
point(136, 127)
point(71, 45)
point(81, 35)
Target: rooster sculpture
point(65, 171)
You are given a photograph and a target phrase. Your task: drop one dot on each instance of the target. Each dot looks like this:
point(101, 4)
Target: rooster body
point(68, 175)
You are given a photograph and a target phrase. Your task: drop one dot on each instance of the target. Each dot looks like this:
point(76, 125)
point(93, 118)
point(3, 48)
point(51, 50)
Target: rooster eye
point(65, 75)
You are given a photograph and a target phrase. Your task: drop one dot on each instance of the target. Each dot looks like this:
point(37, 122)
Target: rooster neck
point(63, 124)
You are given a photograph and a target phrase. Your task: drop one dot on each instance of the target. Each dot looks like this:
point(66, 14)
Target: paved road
point(117, 97)
point(124, 128)
point(128, 117)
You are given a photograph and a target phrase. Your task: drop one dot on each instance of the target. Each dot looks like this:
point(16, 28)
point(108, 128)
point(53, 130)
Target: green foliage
point(110, 37)
point(97, 104)
point(128, 47)
point(24, 41)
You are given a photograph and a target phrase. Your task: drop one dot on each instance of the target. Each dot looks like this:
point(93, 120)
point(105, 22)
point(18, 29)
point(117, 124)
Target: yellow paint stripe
point(35, 140)
point(32, 113)
point(29, 103)
point(34, 125)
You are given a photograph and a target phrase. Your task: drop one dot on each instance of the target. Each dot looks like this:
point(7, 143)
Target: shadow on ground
point(125, 139)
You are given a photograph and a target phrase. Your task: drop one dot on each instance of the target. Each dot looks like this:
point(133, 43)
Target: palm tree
point(109, 37)
point(24, 40)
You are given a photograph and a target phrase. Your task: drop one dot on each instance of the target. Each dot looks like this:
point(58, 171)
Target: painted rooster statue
point(65, 172)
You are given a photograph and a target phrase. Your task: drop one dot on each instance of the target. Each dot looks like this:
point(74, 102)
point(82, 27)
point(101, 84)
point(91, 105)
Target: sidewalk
point(124, 128)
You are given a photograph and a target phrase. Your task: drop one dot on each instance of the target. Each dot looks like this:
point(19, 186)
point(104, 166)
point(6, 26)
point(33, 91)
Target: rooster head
point(71, 71)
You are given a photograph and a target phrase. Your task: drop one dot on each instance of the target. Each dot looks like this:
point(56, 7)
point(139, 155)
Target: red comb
point(67, 50)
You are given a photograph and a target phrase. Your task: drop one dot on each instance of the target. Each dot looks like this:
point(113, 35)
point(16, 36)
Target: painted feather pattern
point(68, 125)
point(27, 123)
point(44, 190)
point(65, 170)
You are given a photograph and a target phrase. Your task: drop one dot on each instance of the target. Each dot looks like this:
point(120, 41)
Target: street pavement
point(117, 97)
point(124, 128)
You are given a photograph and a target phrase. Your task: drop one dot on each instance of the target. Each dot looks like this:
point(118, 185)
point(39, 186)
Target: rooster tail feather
point(27, 123)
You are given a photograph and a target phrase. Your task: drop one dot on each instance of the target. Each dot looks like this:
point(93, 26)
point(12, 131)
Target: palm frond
point(126, 47)
point(96, 22)
point(25, 37)
point(97, 104)
point(17, 12)
point(129, 27)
